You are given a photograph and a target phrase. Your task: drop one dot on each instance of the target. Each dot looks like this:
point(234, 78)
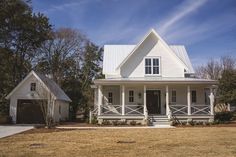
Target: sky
point(207, 28)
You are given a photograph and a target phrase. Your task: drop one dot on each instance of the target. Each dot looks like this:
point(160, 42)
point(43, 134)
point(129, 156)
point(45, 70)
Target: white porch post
point(99, 99)
point(144, 103)
point(167, 100)
point(212, 99)
point(123, 100)
point(188, 100)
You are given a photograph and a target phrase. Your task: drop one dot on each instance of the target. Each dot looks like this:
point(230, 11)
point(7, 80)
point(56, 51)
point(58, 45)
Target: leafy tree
point(21, 33)
point(227, 87)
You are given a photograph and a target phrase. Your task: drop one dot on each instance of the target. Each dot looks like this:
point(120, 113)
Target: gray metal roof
point(54, 88)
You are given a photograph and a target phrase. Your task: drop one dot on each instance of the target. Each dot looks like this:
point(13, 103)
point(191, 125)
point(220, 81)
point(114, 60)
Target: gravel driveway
point(13, 129)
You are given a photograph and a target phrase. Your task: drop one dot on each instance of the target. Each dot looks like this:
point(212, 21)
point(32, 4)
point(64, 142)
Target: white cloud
point(182, 11)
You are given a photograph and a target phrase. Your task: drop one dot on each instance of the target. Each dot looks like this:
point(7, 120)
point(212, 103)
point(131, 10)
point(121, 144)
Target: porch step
point(159, 120)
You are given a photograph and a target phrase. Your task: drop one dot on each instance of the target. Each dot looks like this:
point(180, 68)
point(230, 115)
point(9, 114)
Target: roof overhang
point(145, 81)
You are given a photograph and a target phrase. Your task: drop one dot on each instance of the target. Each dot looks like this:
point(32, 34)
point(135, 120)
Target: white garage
point(29, 98)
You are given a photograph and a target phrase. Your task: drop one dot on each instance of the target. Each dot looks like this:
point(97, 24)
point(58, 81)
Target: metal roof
point(181, 52)
point(115, 54)
point(54, 88)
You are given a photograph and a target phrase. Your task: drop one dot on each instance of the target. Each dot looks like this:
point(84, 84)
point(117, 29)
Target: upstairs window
point(33, 87)
point(110, 97)
point(152, 66)
point(131, 96)
point(148, 66)
point(194, 96)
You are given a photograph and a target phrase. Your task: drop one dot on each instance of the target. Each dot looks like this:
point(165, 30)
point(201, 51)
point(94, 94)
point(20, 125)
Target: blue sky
point(206, 27)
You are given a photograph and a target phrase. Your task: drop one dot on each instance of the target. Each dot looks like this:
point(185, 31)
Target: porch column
point(123, 100)
point(99, 99)
point(145, 112)
point(188, 100)
point(212, 99)
point(167, 100)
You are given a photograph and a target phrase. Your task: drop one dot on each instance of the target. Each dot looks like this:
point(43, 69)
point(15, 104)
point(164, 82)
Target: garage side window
point(33, 87)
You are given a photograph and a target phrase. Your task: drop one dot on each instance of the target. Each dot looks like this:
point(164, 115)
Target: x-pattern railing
point(200, 109)
point(179, 109)
point(134, 110)
point(111, 109)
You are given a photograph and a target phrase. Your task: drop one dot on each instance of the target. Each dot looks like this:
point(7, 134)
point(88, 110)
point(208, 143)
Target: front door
point(153, 101)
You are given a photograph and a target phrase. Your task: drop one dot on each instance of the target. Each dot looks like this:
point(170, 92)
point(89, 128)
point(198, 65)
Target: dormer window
point(33, 87)
point(152, 66)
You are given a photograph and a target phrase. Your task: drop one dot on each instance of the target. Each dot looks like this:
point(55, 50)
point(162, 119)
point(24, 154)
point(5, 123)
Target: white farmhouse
point(151, 81)
point(26, 100)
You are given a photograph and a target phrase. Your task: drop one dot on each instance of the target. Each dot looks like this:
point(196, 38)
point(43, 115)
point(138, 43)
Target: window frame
point(131, 97)
point(32, 86)
point(110, 98)
point(153, 66)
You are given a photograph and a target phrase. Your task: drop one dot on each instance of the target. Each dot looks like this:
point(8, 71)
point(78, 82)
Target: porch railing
point(178, 109)
point(134, 109)
point(200, 109)
point(109, 109)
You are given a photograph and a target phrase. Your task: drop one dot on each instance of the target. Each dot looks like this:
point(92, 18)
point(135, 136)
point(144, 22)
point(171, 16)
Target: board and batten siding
point(170, 66)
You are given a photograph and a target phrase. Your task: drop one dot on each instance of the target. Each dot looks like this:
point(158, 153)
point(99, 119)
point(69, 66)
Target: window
point(155, 66)
point(173, 96)
point(148, 66)
point(131, 96)
point(152, 66)
point(110, 95)
point(194, 96)
point(32, 86)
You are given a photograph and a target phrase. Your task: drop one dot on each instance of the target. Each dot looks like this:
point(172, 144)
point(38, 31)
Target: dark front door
point(153, 101)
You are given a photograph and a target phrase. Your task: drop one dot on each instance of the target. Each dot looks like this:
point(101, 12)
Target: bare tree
point(60, 53)
point(47, 104)
point(212, 70)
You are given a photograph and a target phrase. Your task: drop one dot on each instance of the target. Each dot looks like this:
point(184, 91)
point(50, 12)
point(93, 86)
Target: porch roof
point(158, 80)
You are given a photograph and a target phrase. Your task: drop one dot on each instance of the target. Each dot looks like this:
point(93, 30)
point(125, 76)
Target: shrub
point(123, 123)
point(106, 122)
point(115, 122)
point(94, 120)
point(223, 116)
point(133, 123)
point(192, 123)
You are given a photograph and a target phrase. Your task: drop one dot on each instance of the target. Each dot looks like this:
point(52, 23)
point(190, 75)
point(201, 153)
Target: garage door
point(29, 112)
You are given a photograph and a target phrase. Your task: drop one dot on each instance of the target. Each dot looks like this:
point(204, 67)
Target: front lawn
point(196, 141)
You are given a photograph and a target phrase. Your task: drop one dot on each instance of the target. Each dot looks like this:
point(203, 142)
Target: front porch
point(140, 102)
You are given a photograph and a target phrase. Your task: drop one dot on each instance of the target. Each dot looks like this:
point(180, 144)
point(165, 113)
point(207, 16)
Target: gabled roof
point(50, 85)
point(114, 55)
point(152, 31)
point(181, 52)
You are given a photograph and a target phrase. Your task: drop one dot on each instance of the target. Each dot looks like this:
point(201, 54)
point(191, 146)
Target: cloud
point(63, 6)
point(182, 11)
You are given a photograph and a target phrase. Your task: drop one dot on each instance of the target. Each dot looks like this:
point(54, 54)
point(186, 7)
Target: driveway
point(13, 129)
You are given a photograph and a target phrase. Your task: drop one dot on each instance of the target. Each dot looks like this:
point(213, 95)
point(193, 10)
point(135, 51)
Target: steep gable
point(152, 46)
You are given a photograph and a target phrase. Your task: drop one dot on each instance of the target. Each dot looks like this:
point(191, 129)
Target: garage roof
point(51, 86)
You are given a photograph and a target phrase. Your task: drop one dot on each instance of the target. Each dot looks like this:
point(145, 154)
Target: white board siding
point(170, 66)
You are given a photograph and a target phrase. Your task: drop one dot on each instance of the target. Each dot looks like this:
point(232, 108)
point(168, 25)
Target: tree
point(227, 87)
point(91, 69)
point(212, 70)
point(21, 33)
point(61, 54)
